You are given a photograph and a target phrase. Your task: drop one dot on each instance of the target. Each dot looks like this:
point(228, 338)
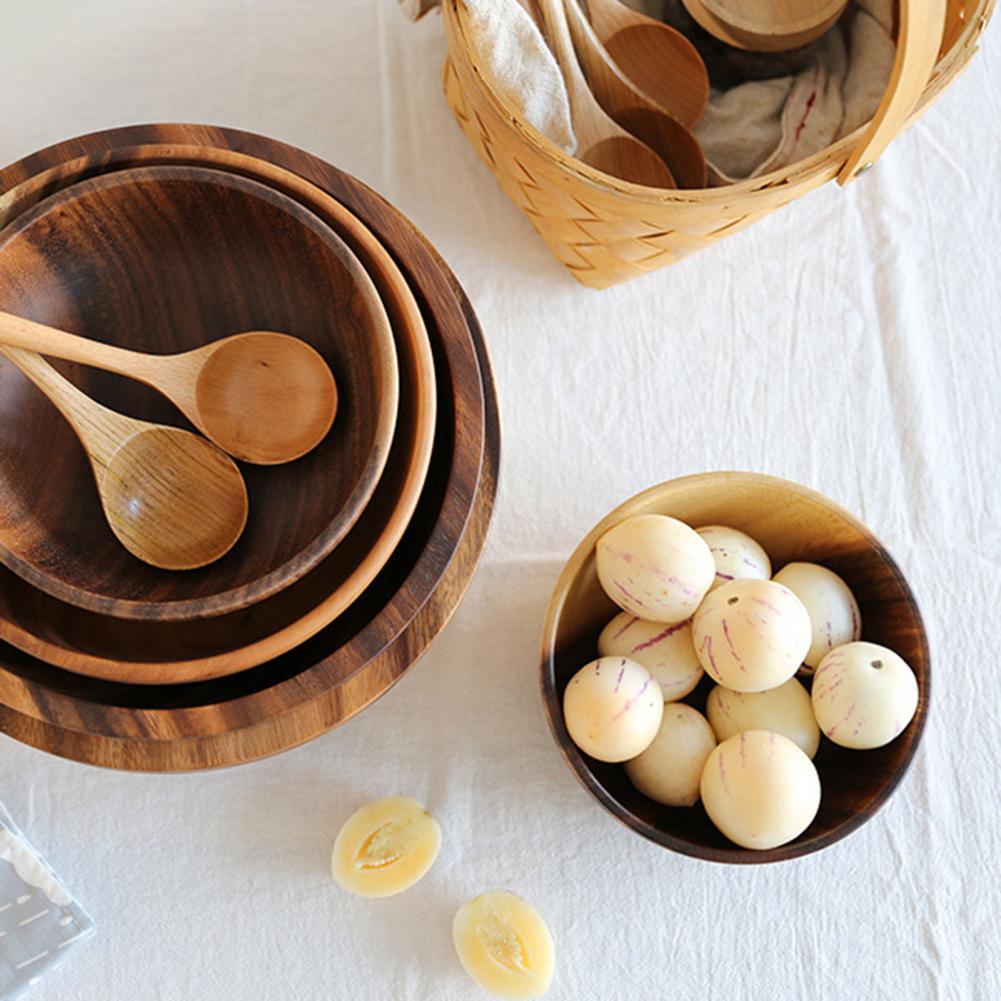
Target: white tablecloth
point(850, 343)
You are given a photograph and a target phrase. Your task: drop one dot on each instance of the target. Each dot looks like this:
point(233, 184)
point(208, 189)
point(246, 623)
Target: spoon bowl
point(633, 110)
point(265, 397)
point(609, 155)
point(601, 142)
point(171, 498)
point(189, 514)
point(657, 58)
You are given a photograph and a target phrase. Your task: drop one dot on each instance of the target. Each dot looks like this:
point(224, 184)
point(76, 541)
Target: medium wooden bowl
point(164, 259)
point(156, 653)
point(350, 663)
point(792, 523)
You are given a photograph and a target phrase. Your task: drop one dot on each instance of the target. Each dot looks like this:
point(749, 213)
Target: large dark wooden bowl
point(164, 259)
point(345, 667)
point(792, 523)
point(158, 653)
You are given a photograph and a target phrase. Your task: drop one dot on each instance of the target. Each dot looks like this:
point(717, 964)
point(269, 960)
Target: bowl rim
point(361, 240)
point(576, 760)
point(242, 596)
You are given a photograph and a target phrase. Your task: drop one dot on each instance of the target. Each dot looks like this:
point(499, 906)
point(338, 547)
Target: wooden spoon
point(264, 397)
point(658, 59)
point(601, 143)
point(171, 498)
point(633, 110)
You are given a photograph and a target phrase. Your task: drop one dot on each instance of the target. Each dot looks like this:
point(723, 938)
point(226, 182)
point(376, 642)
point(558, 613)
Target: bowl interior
point(159, 653)
point(792, 523)
point(164, 259)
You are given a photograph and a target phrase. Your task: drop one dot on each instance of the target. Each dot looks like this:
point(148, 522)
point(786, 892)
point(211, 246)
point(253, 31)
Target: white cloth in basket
point(763, 125)
point(525, 73)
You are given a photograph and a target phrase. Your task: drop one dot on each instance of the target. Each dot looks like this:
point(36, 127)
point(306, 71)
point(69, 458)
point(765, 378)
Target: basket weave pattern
point(607, 231)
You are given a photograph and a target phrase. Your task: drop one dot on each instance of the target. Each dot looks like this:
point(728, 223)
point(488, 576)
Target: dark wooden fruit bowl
point(164, 259)
point(792, 523)
point(337, 673)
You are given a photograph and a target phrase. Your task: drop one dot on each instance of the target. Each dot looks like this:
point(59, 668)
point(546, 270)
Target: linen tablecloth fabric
point(849, 342)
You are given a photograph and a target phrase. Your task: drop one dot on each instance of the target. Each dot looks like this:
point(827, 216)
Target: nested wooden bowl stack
point(160, 239)
point(792, 523)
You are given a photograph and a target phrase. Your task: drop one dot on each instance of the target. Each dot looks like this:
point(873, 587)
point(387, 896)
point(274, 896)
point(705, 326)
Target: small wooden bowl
point(163, 259)
point(766, 25)
point(792, 523)
point(360, 656)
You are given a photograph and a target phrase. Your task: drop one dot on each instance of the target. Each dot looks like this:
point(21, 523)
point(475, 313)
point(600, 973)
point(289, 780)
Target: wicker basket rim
point(824, 161)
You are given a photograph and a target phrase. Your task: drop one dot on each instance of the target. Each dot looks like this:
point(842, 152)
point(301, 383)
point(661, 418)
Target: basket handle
point(922, 23)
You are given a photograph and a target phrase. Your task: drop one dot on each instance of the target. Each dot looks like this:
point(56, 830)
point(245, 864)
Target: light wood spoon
point(634, 110)
point(264, 397)
point(172, 499)
point(601, 142)
point(659, 59)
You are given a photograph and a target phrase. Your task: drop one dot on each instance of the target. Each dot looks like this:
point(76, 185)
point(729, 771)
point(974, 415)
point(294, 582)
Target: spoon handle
point(558, 31)
point(100, 430)
point(18, 332)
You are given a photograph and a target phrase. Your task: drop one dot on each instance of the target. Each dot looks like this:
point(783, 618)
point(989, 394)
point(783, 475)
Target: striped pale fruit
point(670, 769)
point(655, 567)
point(751, 635)
point(864, 695)
point(786, 710)
point(736, 555)
point(760, 789)
point(612, 709)
point(667, 652)
point(504, 945)
point(386, 847)
point(834, 612)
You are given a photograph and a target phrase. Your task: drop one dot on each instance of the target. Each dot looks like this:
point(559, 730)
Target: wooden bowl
point(350, 663)
point(766, 25)
point(792, 523)
point(163, 259)
point(157, 653)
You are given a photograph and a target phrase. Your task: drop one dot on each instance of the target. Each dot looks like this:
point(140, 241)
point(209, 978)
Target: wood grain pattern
point(165, 258)
point(135, 652)
point(766, 25)
point(672, 141)
point(262, 396)
point(171, 498)
point(957, 12)
point(792, 523)
point(919, 42)
point(659, 60)
point(344, 668)
point(601, 142)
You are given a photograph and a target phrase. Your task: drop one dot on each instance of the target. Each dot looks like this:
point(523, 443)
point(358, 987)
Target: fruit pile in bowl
point(735, 667)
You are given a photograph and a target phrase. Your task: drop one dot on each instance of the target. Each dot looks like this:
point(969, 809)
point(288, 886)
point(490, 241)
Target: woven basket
point(606, 230)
